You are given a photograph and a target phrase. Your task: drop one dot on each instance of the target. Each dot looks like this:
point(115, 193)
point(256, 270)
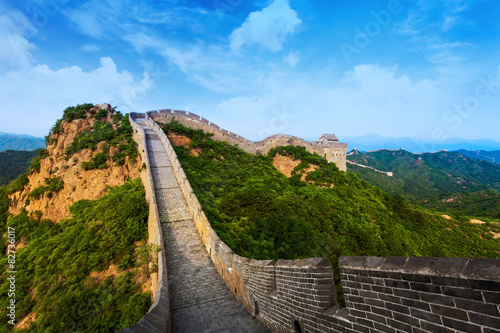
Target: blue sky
point(417, 68)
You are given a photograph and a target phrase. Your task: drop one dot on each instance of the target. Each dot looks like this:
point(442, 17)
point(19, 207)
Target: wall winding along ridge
point(395, 294)
point(333, 151)
point(158, 317)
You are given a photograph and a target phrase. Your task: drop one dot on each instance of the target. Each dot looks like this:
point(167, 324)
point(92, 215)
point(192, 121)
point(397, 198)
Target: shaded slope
point(14, 163)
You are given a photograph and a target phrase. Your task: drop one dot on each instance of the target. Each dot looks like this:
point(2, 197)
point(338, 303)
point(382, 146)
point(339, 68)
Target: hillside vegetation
point(87, 271)
point(260, 213)
point(445, 181)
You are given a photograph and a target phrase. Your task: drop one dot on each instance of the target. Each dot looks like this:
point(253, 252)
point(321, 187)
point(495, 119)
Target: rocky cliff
point(75, 181)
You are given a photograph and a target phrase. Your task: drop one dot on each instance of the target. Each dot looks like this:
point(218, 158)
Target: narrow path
point(200, 301)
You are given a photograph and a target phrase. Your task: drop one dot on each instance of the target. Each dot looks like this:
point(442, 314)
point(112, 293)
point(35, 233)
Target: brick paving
point(200, 301)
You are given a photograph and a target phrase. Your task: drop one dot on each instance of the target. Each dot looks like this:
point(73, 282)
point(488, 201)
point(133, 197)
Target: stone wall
point(395, 294)
point(333, 152)
point(442, 295)
point(158, 317)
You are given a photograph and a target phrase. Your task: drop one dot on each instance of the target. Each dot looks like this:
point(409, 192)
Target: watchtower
point(332, 150)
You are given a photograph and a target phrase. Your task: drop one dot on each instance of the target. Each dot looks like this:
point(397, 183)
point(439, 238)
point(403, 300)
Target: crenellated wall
point(395, 294)
point(333, 152)
point(416, 294)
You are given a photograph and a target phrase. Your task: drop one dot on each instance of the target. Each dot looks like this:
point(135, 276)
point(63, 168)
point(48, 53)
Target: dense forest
point(443, 181)
point(14, 163)
point(54, 268)
point(260, 213)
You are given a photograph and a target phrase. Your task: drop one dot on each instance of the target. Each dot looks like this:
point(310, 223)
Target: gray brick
point(449, 312)
point(462, 326)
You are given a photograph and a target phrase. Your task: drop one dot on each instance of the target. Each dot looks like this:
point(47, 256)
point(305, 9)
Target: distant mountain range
point(9, 141)
point(371, 142)
point(445, 181)
point(490, 156)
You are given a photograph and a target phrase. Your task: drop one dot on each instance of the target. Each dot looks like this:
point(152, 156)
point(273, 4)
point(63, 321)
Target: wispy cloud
point(14, 45)
point(90, 48)
point(267, 28)
point(292, 59)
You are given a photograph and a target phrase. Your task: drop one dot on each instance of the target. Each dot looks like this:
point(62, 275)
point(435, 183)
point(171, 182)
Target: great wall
point(395, 294)
point(331, 150)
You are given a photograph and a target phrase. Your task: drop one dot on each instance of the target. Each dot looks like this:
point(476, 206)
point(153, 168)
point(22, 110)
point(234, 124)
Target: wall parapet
point(422, 294)
point(158, 317)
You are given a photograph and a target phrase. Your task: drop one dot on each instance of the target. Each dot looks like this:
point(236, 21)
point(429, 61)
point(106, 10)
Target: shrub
point(98, 161)
point(36, 162)
point(101, 114)
point(77, 112)
point(52, 185)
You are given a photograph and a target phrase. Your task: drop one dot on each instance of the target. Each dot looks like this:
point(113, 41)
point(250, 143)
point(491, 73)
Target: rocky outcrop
point(78, 183)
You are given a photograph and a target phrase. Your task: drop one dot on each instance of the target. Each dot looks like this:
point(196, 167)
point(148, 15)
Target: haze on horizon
point(407, 68)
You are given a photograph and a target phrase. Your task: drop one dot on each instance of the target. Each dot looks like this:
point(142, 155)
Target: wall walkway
point(200, 301)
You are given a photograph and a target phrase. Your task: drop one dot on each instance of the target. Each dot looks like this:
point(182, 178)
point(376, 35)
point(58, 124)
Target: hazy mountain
point(371, 142)
point(490, 156)
point(9, 141)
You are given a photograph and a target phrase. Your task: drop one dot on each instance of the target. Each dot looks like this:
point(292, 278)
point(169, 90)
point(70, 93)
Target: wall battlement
point(395, 294)
point(333, 152)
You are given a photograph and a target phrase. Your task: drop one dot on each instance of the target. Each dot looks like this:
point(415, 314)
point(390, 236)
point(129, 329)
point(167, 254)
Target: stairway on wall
point(200, 301)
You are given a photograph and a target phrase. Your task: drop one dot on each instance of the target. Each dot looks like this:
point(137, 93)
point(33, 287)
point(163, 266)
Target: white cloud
point(267, 28)
point(449, 22)
point(15, 46)
point(292, 59)
point(40, 94)
point(368, 99)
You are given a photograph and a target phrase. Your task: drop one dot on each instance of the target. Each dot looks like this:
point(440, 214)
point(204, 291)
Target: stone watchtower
point(332, 150)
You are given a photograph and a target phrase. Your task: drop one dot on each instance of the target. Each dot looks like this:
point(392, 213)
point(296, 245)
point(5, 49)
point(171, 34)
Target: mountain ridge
point(370, 142)
point(9, 141)
point(437, 180)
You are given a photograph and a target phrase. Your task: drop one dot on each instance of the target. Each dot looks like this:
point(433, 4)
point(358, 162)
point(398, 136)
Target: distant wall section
point(332, 152)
